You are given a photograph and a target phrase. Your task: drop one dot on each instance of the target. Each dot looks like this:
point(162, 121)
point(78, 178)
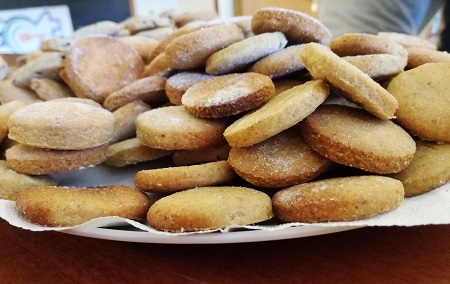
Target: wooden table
point(367, 255)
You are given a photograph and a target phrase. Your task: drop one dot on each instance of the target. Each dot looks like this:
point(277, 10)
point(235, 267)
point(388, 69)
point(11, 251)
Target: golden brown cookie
point(159, 66)
point(144, 45)
point(55, 206)
point(298, 27)
point(280, 63)
point(177, 84)
point(376, 56)
point(418, 56)
point(228, 95)
point(215, 207)
point(11, 183)
point(10, 92)
point(61, 125)
point(139, 23)
point(6, 110)
point(158, 34)
point(184, 177)
point(125, 120)
point(149, 90)
point(424, 101)
point(181, 19)
point(280, 161)
point(407, 40)
point(191, 50)
point(132, 151)
point(91, 74)
point(192, 157)
point(241, 54)
point(429, 169)
point(280, 113)
point(338, 199)
point(351, 82)
point(244, 22)
point(353, 137)
point(173, 128)
point(105, 28)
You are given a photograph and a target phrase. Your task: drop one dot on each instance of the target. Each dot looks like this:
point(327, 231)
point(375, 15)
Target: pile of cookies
point(264, 117)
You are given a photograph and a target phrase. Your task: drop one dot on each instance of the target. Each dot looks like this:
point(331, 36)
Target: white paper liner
point(431, 208)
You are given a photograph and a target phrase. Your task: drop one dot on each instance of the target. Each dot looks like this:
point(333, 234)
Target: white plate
point(104, 175)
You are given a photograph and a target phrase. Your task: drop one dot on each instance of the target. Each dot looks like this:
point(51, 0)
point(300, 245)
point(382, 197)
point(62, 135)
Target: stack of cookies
point(265, 116)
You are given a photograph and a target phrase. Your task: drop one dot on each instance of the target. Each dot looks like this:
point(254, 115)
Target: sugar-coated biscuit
point(280, 113)
point(125, 120)
point(49, 89)
point(424, 101)
point(6, 110)
point(193, 49)
point(429, 168)
point(351, 82)
point(353, 137)
point(184, 177)
point(280, 161)
point(192, 157)
point(376, 56)
point(244, 22)
point(144, 45)
point(132, 151)
point(298, 27)
point(78, 100)
point(139, 23)
point(418, 56)
point(56, 206)
point(159, 66)
point(91, 74)
point(228, 95)
point(241, 54)
point(148, 89)
point(39, 161)
point(181, 19)
point(10, 92)
point(11, 183)
point(61, 125)
point(206, 208)
point(104, 28)
point(338, 199)
point(173, 128)
point(177, 84)
point(158, 34)
point(280, 63)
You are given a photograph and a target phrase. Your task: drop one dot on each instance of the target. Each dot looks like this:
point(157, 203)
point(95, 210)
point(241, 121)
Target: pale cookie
point(338, 199)
point(241, 54)
point(181, 19)
point(143, 45)
point(192, 157)
point(10, 92)
point(298, 27)
point(191, 50)
point(418, 56)
point(407, 40)
point(351, 82)
point(49, 89)
point(228, 95)
point(149, 90)
point(280, 161)
point(353, 137)
point(61, 125)
point(280, 63)
point(243, 22)
point(424, 101)
point(58, 44)
point(140, 23)
point(104, 28)
point(174, 179)
point(208, 208)
point(11, 183)
point(280, 113)
point(6, 110)
point(69, 206)
point(38, 161)
point(46, 65)
point(158, 34)
point(177, 84)
point(132, 151)
point(78, 100)
point(429, 169)
point(173, 128)
point(376, 56)
point(91, 74)
point(125, 118)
